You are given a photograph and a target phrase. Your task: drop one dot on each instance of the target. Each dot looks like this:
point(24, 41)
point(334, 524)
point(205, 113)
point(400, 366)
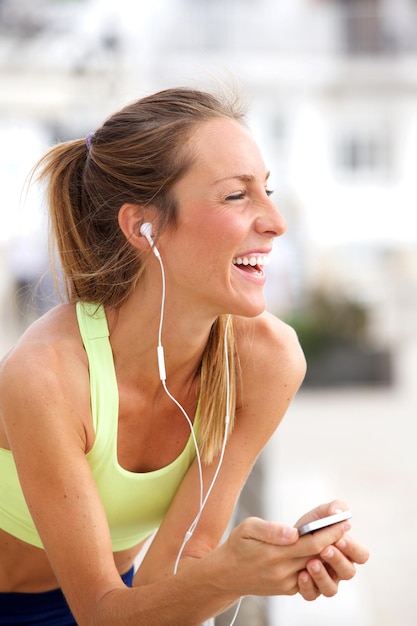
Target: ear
point(130, 218)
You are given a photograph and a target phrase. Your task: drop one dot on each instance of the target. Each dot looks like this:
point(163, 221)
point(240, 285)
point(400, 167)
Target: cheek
point(209, 236)
point(224, 227)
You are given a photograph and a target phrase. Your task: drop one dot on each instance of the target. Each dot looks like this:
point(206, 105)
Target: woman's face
point(226, 224)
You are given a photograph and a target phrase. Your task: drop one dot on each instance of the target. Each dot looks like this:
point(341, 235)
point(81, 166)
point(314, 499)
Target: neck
point(134, 338)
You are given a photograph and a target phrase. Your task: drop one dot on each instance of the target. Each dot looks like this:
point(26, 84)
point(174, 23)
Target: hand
point(334, 563)
point(266, 558)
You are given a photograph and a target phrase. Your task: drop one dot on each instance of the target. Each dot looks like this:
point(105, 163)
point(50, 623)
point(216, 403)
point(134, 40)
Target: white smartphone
point(323, 522)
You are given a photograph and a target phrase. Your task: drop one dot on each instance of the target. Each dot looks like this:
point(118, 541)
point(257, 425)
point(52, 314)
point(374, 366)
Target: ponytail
point(213, 399)
point(97, 262)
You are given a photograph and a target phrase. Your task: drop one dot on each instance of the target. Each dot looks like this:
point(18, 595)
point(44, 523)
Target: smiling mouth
point(251, 263)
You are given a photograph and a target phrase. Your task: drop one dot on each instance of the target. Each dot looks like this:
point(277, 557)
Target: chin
point(250, 310)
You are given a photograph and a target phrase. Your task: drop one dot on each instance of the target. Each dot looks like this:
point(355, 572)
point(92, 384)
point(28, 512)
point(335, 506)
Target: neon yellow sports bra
point(135, 504)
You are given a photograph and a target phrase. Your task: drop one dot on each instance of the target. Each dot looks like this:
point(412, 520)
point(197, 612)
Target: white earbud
point(146, 231)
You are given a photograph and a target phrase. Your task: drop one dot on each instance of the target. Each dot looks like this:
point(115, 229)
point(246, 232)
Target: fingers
point(306, 587)
point(323, 510)
point(353, 550)
point(314, 543)
point(313, 564)
point(322, 575)
point(338, 566)
point(317, 579)
point(323, 580)
point(273, 533)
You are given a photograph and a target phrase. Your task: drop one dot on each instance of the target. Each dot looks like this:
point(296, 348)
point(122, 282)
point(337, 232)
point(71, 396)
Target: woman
point(124, 408)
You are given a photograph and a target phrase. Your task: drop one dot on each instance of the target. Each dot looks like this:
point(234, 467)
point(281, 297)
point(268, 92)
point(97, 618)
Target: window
point(364, 154)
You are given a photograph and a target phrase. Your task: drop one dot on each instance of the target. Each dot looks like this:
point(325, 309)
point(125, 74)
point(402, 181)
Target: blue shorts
point(38, 609)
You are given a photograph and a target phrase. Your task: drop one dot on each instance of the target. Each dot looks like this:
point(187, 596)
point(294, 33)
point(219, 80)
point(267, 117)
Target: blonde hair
point(136, 157)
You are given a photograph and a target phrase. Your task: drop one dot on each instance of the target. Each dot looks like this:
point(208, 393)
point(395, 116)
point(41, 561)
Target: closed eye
point(241, 195)
point(236, 196)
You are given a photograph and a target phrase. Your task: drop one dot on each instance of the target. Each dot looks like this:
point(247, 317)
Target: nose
point(270, 221)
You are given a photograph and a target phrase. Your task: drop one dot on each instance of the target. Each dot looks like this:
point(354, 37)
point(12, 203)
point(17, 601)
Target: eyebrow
point(247, 178)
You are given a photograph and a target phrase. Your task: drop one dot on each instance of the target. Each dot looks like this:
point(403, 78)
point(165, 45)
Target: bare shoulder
point(48, 365)
point(272, 368)
point(269, 347)
point(42, 347)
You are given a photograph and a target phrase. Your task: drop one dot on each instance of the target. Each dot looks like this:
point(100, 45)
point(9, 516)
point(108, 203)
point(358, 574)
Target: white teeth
point(253, 260)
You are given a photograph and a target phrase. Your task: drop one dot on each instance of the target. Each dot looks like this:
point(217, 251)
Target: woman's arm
point(44, 404)
point(259, 557)
point(273, 367)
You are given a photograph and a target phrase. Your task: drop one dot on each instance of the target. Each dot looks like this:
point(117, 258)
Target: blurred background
point(333, 92)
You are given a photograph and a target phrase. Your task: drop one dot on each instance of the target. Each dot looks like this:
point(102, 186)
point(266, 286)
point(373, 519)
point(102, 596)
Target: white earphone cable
point(162, 375)
point(193, 525)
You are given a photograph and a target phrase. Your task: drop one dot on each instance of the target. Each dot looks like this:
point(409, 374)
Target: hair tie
point(88, 140)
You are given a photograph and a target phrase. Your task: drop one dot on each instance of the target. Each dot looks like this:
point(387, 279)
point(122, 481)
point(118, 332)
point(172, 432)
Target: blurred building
point(333, 85)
